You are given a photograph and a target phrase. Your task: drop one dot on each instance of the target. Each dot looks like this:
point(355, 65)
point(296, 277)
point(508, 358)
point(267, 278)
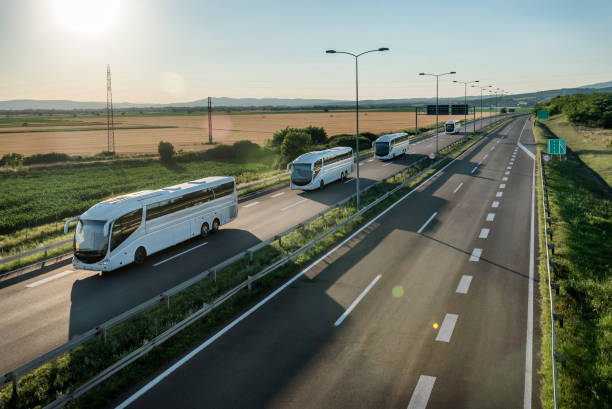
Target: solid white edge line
point(277, 195)
point(529, 337)
point(293, 205)
point(458, 187)
point(232, 324)
point(464, 284)
point(356, 301)
point(422, 391)
point(180, 254)
point(427, 222)
point(446, 329)
point(53, 277)
point(249, 205)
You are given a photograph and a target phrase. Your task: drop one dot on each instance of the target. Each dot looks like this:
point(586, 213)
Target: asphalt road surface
point(430, 305)
point(44, 309)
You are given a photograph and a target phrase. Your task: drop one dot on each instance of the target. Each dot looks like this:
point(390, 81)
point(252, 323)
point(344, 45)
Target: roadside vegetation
point(594, 110)
point(62, 375)
point(581, 219)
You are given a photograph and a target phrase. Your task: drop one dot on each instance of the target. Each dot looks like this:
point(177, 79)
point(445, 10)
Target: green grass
point(592, 145)
point(30, 198)
point(45, 383)
point(581, 216)
point(46, 120)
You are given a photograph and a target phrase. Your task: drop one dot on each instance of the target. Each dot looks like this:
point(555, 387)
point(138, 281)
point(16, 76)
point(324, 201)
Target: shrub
point(349, 140)
point(11, 159)
point(295, 143)
point(166, 151)
point(371, 137)
point(317, 134)
point(52, 157)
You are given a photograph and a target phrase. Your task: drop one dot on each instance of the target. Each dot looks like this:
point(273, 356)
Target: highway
point(45, 309)
point(431, 305)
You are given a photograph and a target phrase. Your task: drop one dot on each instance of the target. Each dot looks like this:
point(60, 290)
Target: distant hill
point(599, 85)
point(526, 100)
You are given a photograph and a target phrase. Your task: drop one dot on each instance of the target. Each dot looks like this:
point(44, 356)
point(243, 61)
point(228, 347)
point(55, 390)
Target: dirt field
point(191, 132)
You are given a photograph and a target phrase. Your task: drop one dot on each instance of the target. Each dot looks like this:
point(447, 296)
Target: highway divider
point(103, 351)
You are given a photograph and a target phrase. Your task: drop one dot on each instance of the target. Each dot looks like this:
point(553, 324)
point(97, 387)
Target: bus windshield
point(450, 127)
point(381, 148)
point(89, 237)
point(301, 172)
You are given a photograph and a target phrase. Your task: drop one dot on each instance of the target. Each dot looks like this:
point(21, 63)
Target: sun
point(86, 16)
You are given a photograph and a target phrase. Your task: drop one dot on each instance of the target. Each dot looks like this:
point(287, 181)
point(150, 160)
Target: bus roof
point(114, 207)
point(311, 157)
point(390, 137)
point(452, 121)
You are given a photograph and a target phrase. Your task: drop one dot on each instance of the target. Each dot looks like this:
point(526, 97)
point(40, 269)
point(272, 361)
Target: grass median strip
point(580, 224)
point(85, 361)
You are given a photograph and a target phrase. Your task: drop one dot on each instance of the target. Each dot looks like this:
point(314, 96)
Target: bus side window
point(124, 227)
point(317, 166)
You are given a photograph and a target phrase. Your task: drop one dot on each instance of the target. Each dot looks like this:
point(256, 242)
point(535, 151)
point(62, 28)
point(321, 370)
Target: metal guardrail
point(13, 376)
point(550, 247)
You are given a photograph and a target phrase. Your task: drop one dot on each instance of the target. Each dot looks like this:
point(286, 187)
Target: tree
point(295, 143)
point(317, 134)
point(166, 151)
point(502, 111)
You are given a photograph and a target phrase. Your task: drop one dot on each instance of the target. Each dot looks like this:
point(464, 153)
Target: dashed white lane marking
point(508, 167)
point(53, 277)
point(502, 185)
point(447, 327)
point(495, 204)
point(490, 217)
point(458, 187)
point(293, 205)
point(484, 157)
point(474, 170)
point(499, 194)
point(427, 222)
point(492, 147)
point(350, 180)
point(475, 255)
point(504, 179)
point(370, 160)
point(421, 393)
point(464, 284)
point(506, 173)
point(387, 164)
point(357, 300)
point(250, 204)
point(180, 254)
point(278, 194)
point(484, 233)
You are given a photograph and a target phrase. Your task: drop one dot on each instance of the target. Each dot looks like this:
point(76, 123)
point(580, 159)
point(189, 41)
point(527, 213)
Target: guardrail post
point(15, 380)
point(214, 275)
point(549, 232)
point(104, 334)
point(555, 287)
point(560, 358)
point(250, 254)
point(279, 238)
point(249, 282)
point(168, 301)
point(552, 248)
point(559, 317)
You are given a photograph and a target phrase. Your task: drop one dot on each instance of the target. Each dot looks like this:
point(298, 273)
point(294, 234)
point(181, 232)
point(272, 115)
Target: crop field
point(140, 134)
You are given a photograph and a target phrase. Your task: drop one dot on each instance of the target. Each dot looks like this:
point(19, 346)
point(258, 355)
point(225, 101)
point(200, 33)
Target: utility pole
point(110, 117)
point(210, 134)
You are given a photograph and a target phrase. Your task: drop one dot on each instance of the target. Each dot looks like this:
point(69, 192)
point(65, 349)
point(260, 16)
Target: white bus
point(390, 146)
point(452, 126)
point(126, 229)
point(316, 169)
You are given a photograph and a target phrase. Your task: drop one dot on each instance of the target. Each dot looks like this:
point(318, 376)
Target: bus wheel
point(321, 185)
point(342, 177)
point(204, 230)
point(140, 255)
point(215, 227)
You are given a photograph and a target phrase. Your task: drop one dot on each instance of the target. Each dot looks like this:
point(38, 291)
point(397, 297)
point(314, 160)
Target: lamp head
point(421, 73)
point(453, 72)
point(330, 51)
point(383, 49)
point(476, 81)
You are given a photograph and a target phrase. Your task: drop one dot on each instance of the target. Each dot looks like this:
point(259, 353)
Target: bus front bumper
point(100, 266)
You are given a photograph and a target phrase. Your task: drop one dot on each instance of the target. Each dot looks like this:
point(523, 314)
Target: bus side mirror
point(289, 166)
point(67, 225)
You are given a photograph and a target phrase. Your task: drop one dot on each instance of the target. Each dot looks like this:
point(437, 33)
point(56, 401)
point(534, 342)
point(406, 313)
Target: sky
point(174, 51)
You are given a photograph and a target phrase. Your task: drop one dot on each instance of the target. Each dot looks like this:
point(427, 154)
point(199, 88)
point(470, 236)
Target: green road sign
point(543, 114)
point(556, 146)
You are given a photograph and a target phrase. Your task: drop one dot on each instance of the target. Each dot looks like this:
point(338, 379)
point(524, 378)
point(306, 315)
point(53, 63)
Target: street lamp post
point(437, 105)
point(465, 84)
point(356, 103)
point(481, 107)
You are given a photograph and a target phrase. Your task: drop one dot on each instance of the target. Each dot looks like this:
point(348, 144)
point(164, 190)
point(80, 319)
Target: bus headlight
point(104, 262)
